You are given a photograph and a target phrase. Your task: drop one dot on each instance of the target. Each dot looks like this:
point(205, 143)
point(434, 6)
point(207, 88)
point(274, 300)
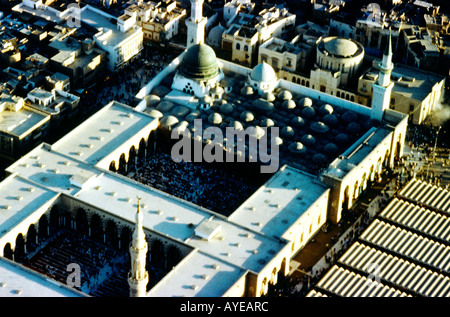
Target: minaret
point(196, 24)
point(383, 87)
point(138, 276)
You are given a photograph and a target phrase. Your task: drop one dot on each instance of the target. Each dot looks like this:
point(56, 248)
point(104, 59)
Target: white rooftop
point(20, 122)
point(100, 135)
point(199, 274)
point(20, 198)
point(105, 22)
point(274, 207)
point(18, 281)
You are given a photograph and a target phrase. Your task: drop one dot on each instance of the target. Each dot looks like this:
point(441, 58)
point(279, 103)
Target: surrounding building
point(120, 194)
point(196, 24)
point(418, 218)
point(21, 127)
point(81, 61)
point(338, 62)
point(415, 92)
point(120, 37)
point(246, 32)
point(159, 21)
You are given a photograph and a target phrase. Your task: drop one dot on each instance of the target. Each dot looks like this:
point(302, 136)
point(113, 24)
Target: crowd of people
point(205, 185)
point(66, 247)
point(125, 83)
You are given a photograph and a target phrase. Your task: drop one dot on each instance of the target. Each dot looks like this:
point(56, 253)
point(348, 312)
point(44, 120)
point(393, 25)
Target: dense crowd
point(205, 185)
point(125, 83)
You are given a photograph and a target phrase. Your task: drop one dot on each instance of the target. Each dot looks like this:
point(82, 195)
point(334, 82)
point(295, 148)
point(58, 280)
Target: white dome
point(341, 47)
point(263, 73)
point(215, 35)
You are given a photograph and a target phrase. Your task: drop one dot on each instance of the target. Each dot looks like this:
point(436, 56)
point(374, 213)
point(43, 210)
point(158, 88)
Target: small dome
point(285, 95)
point(267, 122)
point(165, 106)
point(319, 158)
point(152, 100)
point(199, 62)
point(226, 108)
point(308, 139)
point(217, 90)
point(247, 116)
point(287, 132)
point(247, 91)
point(182, 127)
point(215, 118)
point(160, 91)
point(353, 128)
point(168, 121)
point(206, 100)
point(278, 140)
point(179, 111)
point(319, 127)
point(256, 132)
point(330, 148)
point(263, 72)
point(342, 138)
point(288, 104)
point(193, 115)
point(308, 112)
point(305, 102)
point(297, 148)
point(155, 113)
point(331, 120)
point(263, 104)
point(215, 36)
point(298, 122)
point(268, 96)
point(341, 47)
point(349, 116)
point(238, 126)
point(326, 109)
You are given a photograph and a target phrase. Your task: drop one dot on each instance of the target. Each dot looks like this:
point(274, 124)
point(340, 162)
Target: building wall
point(280, 60)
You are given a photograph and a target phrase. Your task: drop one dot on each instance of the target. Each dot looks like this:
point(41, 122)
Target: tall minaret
point(138, 276)
point(383, 87)
point(196, 24)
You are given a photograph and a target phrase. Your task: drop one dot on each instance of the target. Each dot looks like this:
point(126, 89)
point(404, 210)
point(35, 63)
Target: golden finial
point(139, 204)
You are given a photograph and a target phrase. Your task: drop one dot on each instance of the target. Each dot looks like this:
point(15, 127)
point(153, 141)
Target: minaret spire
point(138, 276)
point(196, 24)
point(386, 65)
point(382, 88)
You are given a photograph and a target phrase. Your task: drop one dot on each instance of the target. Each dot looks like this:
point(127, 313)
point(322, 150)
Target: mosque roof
point(199, 62)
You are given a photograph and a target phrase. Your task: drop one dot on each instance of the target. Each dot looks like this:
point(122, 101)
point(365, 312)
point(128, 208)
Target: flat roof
point(199, 274)
point(164, 213)
point(20, 198)
point(357, 152)
point(418, 89)
point(101, 134)
point(275, 206)
point(19, 281)
point(47, 13)
point(18, 123)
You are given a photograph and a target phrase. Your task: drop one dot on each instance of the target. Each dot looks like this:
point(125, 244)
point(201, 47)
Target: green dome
point(199, 62)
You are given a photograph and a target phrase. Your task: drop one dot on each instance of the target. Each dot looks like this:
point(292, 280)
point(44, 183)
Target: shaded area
point(218, 187)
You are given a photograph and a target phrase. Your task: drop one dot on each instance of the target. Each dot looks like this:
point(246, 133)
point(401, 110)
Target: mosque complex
point(329, 150)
